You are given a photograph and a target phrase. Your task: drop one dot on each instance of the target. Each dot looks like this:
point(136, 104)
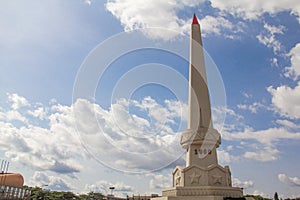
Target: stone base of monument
point(200, 193)
point(201, 183)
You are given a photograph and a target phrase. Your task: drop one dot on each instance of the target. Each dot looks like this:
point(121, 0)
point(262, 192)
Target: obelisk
point(195, 139)
point(202, 178)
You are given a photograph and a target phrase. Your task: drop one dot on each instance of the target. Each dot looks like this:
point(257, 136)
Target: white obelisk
point(195, 139)
point(202, 178)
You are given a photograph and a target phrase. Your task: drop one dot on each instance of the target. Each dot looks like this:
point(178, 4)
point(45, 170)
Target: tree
point(276, 196)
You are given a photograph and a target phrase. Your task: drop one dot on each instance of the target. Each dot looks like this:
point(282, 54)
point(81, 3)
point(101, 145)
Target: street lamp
point(112, 189)
point(45, 185)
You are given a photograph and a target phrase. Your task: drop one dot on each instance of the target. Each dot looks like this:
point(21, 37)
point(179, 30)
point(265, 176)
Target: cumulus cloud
point(213, 24)
point(253, 9)
point(121, 189)
point(288, 124)
point(89, 2)
point(225, 157)
point(51, 182)
point(292, 181)
point(286, 100)
point(267, 153)
point(17, 101)
point(146, 139)
point(242, 184)
point(260, 193)
point(39, 112)
point(40, 148)
point(293, 71)
point(219, 25)
point(139, 14)
point(253, 108)
point(260, 145)
point(160, 181)
point(14, 115)
point(268, 37)
point(131, 141)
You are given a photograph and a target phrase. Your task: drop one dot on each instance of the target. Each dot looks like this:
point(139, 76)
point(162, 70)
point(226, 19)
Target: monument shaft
point(200, 121)
point(199, 104)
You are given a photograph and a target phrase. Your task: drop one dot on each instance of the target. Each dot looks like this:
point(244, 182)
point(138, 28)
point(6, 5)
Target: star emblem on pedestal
point(217, 179)
point(195, 177)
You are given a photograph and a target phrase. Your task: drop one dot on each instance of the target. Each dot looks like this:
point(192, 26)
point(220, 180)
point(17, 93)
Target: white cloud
point(89, 2)
point(242, 184)
point(267, 153)
point(218, 25)
point(51, 182)
point(261, 143)
point(245, 94)
point(288, 124)
point(268, 37)
point(139, 14)
point(219, 114)
point(121, 189)
point(253, 9)
point(160, 181)
point(14, 115)
point(292, 181)
point(225, 157)
point(127, 141)
point(40, 148)
point(286, 100)
point(274, 62)
point(293, 71)
point(253, 108)
point(39, 112)
point(17, 101)
point(260, 193)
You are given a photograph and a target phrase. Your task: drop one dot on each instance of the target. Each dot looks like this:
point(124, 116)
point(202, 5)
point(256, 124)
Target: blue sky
point(67, 125)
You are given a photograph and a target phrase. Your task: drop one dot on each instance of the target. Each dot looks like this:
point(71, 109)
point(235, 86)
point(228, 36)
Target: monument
point(202, 178)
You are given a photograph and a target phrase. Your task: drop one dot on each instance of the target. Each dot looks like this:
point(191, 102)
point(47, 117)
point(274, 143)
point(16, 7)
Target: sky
point(93, 93)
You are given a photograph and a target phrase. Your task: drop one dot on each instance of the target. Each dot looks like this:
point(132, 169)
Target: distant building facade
point(133, 197)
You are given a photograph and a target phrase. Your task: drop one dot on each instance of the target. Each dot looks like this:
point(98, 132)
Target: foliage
point(38, 193)
point(276, 196)
point(257, 197)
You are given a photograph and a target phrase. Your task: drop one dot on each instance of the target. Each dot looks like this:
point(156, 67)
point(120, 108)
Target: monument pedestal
point(201, 183)
point(200, 193)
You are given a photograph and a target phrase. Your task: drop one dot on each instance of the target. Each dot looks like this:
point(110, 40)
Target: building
point(11, 184)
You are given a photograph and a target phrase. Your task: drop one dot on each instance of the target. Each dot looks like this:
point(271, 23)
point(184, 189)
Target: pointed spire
point(195, 20)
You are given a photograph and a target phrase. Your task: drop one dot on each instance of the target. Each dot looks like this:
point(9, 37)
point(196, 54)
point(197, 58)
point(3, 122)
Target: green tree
point(276, 196)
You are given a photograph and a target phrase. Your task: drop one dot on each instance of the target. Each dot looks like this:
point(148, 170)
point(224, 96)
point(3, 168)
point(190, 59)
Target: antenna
point(4, 169)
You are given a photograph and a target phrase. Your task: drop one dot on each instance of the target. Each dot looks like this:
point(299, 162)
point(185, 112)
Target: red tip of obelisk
point(195, 20)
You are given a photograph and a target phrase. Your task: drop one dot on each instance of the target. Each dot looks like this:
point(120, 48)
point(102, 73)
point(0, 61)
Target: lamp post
point(112, 189)
point(45, 185)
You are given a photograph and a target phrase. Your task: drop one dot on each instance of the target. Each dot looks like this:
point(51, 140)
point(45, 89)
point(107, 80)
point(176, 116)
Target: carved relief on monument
point(177, 177)
point(218, 176)
point(228, 173)
point(194, 176)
